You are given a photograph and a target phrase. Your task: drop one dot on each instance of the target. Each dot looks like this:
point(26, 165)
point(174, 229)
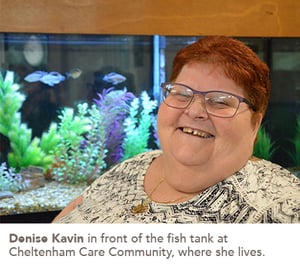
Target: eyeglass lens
point(216, 103)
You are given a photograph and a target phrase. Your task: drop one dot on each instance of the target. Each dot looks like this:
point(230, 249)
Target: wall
point(261, 18)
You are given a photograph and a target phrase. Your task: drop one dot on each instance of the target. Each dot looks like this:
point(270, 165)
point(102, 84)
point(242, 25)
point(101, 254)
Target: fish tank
point(72, 106)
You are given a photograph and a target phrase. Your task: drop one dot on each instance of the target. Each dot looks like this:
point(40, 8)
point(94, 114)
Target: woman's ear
point(256, 123)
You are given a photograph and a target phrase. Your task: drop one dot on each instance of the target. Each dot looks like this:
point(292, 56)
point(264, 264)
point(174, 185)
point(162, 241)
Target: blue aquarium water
point(81, 103)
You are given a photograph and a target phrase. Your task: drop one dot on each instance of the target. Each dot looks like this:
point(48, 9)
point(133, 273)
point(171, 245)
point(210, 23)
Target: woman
point(205, 172)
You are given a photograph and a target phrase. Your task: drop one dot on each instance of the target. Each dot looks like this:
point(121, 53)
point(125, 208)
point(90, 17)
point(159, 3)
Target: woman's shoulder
point(144, 158)
point(133, 167)
point(147, 156)
point(266, 170)
point(268, 185)
point(272, 190)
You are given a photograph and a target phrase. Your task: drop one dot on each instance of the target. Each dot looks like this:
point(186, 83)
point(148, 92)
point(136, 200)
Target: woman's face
point(223, 143)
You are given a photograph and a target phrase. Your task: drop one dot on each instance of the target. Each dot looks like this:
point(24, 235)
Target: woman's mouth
point(195, 132)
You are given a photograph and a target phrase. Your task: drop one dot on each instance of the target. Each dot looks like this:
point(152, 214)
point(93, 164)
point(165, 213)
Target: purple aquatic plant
point(99, 102)
point(115, 105)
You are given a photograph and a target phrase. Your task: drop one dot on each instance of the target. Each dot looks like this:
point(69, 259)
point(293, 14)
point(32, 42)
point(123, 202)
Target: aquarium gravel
point(51, 197)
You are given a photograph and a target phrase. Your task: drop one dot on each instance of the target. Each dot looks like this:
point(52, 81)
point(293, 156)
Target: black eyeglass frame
point(195, 92)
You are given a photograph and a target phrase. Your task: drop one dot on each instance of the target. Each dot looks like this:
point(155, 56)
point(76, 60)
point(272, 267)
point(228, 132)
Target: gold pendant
point(140, 208)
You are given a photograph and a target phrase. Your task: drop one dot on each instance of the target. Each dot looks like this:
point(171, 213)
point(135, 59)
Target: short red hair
point(238, 61)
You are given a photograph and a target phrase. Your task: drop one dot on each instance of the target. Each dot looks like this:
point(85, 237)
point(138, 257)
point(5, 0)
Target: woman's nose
point(196, 108)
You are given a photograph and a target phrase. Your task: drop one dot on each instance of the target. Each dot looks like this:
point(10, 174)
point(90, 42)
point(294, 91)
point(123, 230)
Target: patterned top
point(261, 192)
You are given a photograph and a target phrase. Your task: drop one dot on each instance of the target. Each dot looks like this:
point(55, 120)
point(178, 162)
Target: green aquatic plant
point(25, 150)
point(156, 140)
point(264, 147)
point(83, 143)
point(138, 125)
point(80, 151)
point(296, 143)
point(10, 180)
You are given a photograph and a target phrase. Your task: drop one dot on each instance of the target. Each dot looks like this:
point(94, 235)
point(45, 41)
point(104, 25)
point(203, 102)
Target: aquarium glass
point(94, 56)
point(61, 78)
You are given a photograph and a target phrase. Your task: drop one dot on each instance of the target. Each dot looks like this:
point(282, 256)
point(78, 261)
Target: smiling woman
point(205, 171)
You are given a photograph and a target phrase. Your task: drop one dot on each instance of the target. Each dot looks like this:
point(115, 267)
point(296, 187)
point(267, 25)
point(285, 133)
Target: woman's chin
point(190, 157)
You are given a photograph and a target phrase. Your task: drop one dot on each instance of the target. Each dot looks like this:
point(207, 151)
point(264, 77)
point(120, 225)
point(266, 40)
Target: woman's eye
point(220, 102)
point(182, 96)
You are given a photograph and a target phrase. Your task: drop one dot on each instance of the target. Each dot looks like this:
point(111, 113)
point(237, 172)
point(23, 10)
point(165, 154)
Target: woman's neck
point(192, 178)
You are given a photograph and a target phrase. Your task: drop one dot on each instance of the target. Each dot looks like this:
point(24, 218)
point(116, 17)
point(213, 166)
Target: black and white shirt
point(261, 192)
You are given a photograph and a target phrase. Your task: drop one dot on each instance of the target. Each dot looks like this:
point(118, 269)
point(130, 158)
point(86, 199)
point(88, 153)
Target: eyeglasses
point(217, 103)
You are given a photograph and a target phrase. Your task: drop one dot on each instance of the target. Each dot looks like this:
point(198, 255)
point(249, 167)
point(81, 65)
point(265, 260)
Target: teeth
point(195, 132)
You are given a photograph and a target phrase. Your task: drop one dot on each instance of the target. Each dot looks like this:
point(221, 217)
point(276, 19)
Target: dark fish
point(114, 78)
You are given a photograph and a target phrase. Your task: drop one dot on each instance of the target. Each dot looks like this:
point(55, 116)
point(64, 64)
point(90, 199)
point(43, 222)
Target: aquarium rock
point(6, 194)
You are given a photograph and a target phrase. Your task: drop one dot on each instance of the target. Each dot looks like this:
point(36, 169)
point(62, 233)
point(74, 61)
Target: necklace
point(144, 204)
